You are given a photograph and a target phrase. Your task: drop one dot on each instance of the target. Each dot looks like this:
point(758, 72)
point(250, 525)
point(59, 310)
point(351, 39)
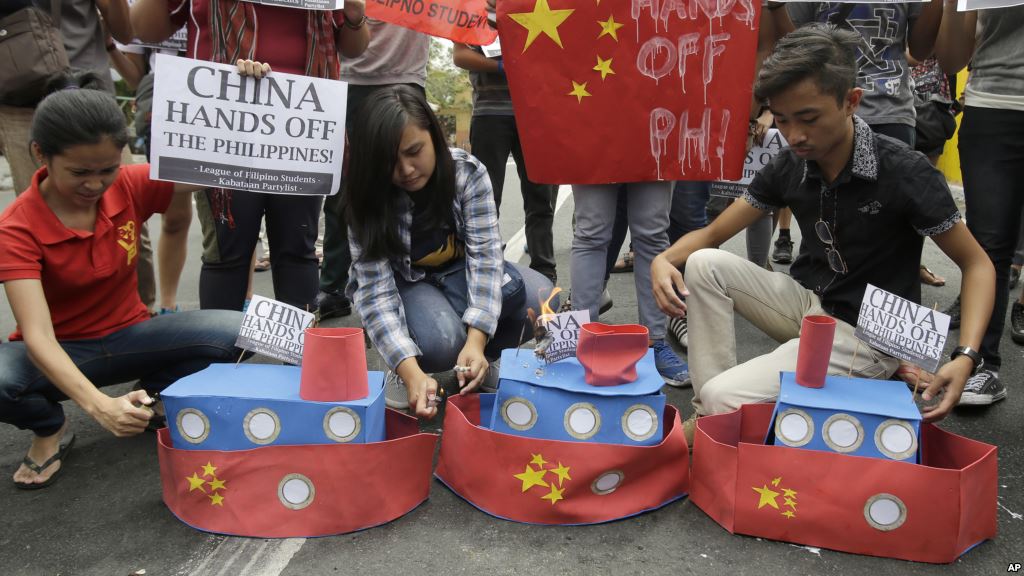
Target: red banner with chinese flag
point(462, 21)
point(929, 512)
point(299, 491)
point(630, 90)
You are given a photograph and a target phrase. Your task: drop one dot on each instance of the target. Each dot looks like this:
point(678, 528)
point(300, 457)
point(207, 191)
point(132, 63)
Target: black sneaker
point(783, 253)
point(1017, 323)
point(954, 314)
point(333, 305)
point(982, 389)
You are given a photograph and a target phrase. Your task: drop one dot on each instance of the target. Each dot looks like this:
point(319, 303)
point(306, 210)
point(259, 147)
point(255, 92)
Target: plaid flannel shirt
point(372, 286)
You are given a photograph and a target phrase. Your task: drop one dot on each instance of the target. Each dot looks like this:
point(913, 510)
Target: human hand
point(471, 367)
point(125, 415)
point(354, 10)
point(914, 375)
point(252, 68)
point(668, 285)
point(952, 378)
point(420, 391)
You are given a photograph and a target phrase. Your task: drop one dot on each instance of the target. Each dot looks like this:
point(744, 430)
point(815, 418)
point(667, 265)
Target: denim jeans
point(157, 352)
point(689, 209)
point(440, 333)
point(992, 161)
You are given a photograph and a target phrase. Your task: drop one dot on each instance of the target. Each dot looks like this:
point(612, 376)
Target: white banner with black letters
point(274, 329)
point(281, 134)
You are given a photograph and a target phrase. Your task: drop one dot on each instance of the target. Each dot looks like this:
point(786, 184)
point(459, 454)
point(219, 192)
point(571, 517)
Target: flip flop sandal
point(930, 278)
point(61, 456)
point(624, 264)
point(262, 265)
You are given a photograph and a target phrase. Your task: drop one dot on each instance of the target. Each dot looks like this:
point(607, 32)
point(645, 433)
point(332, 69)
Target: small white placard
point(304, 4)
point(281, 134)
point(757, 158)
point(274, 329)
point(492, 50)
point(901, 328)
point(564, 328)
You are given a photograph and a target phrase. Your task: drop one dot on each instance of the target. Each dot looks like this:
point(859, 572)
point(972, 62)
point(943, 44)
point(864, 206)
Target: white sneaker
point(395, 394)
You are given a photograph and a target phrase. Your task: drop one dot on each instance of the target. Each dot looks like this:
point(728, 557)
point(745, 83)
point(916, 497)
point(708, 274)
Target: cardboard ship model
point(578, 441)
point(284, 451)
point(846, 464)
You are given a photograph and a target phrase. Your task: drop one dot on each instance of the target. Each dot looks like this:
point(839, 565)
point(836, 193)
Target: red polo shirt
point(88, 277)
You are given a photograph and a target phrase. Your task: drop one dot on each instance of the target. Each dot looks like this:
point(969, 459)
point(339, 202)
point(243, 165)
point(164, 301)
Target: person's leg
point(15, 134)
point(432, 324)
point(757, 380)
point(291, 230)
point(595, 216)
point(514, 326)
point(331, 301)
point(619, 229)
point(689, 208)
point(538, 203)
point(491, 139)
point(172, 249)
point(783, 252)
point(144, 269)
point(649, 204)
point(992, 160)
point(759, 241)
point(231, 225)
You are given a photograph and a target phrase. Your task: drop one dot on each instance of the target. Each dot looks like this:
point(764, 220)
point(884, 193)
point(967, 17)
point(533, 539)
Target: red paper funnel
point(816, 335)
point(609, 353)
point(333, 365)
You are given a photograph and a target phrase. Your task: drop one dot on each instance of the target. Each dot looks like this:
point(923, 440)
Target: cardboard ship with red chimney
point(846, 464)
point(286, 451)
point(582, 440)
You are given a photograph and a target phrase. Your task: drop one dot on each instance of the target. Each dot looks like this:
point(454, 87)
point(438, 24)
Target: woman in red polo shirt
point(68, 252)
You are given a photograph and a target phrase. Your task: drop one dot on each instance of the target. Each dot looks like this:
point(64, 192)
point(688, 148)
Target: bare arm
point(468, 59)
point(129, 65)
point(923, 32)
point(151, 21)
point(665, 276)
point(976, 299)
point(352, 43)
point(954, 46)
point(116, 18)
point(119, 415)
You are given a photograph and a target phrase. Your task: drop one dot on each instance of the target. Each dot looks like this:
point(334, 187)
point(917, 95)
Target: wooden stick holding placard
point(854, 361)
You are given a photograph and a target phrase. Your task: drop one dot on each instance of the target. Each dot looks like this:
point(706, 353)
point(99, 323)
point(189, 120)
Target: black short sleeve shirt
point(880, 208)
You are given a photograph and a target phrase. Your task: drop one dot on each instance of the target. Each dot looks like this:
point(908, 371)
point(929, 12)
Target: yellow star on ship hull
point(543, 20)
point(195, 482)
point(562, 472)
point(216, 500)
point(555, 495)
point(768, 497)
point(531, 478)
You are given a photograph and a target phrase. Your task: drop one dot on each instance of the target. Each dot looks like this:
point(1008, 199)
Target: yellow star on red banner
point(217, 484)
point(769, 497)
point(538, 460)
point(579, 91)
point(216, 500)
point(543, 20)
point(604, 67)
point(555, 495)
point(562, 472)
point(610, 28)
point(209, 469)
point(531, 478)
point(195, 482)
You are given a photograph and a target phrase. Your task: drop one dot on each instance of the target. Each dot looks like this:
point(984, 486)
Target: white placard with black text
point(274, 329)
point(901, 328)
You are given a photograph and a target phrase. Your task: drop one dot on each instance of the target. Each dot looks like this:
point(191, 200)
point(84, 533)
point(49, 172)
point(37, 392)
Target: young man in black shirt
point(866, 202)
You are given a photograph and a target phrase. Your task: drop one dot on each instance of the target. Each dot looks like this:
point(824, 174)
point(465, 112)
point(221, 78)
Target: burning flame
point(545, 304)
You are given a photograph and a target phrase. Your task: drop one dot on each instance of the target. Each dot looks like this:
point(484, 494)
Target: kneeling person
point(865, 202)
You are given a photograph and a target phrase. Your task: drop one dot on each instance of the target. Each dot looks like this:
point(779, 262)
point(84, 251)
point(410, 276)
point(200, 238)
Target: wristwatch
point(969, 352)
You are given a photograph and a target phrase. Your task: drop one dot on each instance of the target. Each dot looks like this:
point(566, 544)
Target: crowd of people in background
point(865, 107)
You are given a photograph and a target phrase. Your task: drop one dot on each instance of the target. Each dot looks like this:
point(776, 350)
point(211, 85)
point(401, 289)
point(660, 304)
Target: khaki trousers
point(15, 134)
point(722, 285)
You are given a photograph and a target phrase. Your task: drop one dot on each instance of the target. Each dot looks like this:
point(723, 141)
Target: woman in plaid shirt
point(428, 276)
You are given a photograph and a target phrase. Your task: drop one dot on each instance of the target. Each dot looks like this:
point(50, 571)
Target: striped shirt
point(372, 285)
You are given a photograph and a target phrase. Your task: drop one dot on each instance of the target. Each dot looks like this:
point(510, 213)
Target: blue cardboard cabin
point(229, 407)
point(552, 401)
point(861, 417)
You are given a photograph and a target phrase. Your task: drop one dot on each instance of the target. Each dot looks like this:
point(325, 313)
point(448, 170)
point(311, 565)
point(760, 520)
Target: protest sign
point(901, 328)
point(564, 329)
point(281, 134)
point(274, 329)
point(492, 50)
point(304, 4)
point(757, 158)
point(178, 42)
point(462, 21)
point(965, 5)
point(630, 90)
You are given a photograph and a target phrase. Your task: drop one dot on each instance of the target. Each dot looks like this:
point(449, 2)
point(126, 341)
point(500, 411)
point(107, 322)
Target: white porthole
point(640, 422)
point(843, 433)
point(608, 482)
point(582, 420)
point(342, 424)
point(885, 512)
point(794, 427)
point(193, 425)
point(296, 491)
point(261, 426)
point(519, 413)
point(896, 439)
